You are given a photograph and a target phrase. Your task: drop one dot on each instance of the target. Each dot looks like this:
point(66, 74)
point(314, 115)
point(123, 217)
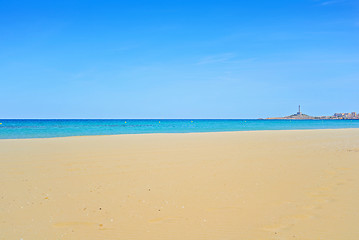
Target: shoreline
point(130, 134)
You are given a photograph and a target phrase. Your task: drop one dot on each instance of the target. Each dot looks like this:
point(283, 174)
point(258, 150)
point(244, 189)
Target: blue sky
point(178, 59)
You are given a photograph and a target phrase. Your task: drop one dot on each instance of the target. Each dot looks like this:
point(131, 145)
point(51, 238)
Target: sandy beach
point(219, 186)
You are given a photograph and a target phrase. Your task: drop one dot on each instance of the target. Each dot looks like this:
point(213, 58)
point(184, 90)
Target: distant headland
point(300, 116)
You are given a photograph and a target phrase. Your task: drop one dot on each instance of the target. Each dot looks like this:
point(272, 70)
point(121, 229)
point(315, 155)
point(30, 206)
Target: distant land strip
point(336, 116)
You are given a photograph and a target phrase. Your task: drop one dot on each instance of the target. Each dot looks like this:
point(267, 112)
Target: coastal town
point(336, 116)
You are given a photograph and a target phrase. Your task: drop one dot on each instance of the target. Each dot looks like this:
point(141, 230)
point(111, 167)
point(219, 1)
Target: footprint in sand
point(353, 150)
point(318, 197)
point(301, 216)
point(67, 224)
point(223, 209)
point(277, 227)
point(163, 220)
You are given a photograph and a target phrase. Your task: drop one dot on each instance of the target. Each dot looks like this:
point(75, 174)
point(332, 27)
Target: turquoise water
point(14, 129)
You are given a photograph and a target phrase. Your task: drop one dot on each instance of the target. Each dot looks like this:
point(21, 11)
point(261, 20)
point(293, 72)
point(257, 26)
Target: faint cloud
point(124, 47)
point(220, 58)
point(82, 74)
point(326, 3)
point(227, 58)
point(79, 75)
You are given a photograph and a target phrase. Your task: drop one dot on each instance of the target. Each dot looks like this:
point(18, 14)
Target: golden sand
point(215, 186)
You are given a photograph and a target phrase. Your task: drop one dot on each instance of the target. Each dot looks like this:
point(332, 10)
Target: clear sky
point(178, 59)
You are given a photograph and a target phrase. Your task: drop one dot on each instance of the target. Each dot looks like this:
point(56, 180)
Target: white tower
point(299, 113)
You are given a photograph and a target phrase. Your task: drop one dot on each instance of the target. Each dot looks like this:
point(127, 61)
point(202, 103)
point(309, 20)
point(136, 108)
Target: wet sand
point(217, 186)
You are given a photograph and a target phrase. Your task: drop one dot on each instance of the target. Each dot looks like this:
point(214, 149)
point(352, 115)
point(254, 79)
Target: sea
point(51, 128)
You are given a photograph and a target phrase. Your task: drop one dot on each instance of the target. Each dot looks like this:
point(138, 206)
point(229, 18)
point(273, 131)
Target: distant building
point(352, 115)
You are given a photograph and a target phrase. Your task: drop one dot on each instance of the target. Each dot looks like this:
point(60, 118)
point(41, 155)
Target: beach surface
point(217, 186)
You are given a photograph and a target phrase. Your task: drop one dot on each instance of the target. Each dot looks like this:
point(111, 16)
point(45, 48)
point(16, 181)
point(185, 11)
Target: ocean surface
point(17, 129)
